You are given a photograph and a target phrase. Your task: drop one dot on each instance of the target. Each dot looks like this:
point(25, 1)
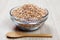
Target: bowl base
point(18, 28)
point(26, 30)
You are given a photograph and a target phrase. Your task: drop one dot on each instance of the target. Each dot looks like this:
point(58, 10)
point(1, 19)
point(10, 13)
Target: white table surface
point(52, 25)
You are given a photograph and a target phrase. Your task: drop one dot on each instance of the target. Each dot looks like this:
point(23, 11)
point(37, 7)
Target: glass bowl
point(27, 25)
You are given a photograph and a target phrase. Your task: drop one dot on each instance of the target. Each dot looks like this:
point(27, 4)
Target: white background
point(52, 25)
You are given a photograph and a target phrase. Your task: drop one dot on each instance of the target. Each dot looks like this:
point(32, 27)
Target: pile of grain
point(29, 12)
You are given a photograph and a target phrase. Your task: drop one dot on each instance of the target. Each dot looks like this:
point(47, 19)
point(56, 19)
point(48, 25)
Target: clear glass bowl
point(27, 25)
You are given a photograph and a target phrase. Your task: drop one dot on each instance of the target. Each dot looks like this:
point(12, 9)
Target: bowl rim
point(28, 23)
